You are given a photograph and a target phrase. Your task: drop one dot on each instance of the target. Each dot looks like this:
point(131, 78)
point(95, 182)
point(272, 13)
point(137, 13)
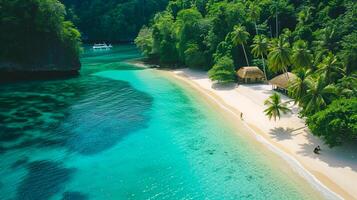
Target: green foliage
point(301, 56)
point(223, 71)
point(279, 56)
point(260, 46)
point(337, 123)
point(347, 86)
point(330, 68)
point(275, 107)
point(300, 85)
point(144, 40)
point(260, 49)
point(318, 95)
point(316, 40)
point(112, 20)
point(164, 41)
point(194, 58)
point(240, 37)
point(34, 31)
point(349, 52)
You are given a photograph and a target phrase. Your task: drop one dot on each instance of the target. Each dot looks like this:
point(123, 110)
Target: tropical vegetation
point(35, 32)
point(316, 40)
point(111, 20)
point(275, 107)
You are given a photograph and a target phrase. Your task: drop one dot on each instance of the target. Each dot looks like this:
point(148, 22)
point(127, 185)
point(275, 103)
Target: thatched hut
point(282, 81)
point(250, 74)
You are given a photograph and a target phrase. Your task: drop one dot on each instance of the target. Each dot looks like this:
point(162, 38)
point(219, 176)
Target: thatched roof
point(250, 72)
point(282, 80)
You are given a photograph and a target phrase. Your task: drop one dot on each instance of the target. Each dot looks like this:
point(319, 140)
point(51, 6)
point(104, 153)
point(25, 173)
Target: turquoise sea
point(122, 132)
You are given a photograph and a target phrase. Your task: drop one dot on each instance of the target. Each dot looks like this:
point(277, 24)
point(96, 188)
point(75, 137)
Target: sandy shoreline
point(333, 170)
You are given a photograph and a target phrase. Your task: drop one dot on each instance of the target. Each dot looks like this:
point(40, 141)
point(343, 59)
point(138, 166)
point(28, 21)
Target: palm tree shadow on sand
point(281, 133)
point(339, 157)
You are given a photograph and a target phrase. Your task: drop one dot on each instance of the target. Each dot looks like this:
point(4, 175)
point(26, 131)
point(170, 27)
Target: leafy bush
point(144, 40)
point(223, 71)
point(337, 123)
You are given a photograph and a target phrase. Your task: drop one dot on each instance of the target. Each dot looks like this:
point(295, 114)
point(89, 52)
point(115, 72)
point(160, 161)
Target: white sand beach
point(335, 168)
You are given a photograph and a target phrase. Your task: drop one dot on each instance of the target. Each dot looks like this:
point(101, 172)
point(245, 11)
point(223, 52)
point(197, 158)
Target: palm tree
point(299, 85)
point(330, 68)
point(318, 95)
point(260, 48)
point(304, 15)
point(279, 55)
point(275, 107)
point(254, 13)
point(301, 56)
point(325, 42)
point(275, 9)
point(240, 37)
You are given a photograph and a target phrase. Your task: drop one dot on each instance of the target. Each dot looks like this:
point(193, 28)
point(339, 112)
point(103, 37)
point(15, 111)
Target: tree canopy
point(111, 20)
point(314, 39)
point(36, 32)
point(337, 123)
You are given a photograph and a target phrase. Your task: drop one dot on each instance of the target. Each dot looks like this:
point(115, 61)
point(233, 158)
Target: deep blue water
point(122, 132)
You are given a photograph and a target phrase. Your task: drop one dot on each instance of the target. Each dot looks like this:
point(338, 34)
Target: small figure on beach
point(317, 149)
point(241, 116)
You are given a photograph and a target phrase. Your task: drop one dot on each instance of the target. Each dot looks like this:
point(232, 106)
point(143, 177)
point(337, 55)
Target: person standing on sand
point(241, 115)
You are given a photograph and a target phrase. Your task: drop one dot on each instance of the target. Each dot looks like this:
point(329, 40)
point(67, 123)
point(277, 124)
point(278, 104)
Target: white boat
point(102, 46)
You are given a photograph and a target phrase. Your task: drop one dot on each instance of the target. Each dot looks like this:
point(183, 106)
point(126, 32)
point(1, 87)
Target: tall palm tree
point(254, 13)
point(275, 107)
point(240, 37)
point(330, 68)
point(279, 55)
point(299, 85)
point(275, 9)
point(318, 95)
point(301, 56)
point(260, 49)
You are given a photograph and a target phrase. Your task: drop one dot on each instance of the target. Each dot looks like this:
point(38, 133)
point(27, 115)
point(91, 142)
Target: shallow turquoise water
point(121, 132)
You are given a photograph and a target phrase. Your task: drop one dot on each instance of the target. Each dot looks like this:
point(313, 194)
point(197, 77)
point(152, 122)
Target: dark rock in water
point(6, 76)
point(50, 67)
point(74, 196)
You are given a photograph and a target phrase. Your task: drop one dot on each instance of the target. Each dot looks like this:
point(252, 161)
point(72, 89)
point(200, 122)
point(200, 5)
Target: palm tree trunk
point(276, 22)
point(265, 74)
point(256, 28)
point(245, 54)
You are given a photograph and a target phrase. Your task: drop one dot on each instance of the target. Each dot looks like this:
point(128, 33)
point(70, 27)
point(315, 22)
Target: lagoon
point(123, 132)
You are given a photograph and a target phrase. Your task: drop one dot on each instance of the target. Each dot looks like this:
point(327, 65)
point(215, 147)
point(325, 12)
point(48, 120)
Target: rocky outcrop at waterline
point(53, 66)
point(10, 71)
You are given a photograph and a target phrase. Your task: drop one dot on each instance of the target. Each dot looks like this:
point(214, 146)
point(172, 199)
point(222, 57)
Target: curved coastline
point(324, 185)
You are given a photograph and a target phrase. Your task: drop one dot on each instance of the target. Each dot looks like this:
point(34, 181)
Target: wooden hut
point(282, 81)
point(250, 75)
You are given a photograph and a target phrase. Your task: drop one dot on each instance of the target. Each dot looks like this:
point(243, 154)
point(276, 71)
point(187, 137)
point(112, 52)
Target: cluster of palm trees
point(277, 51)
point(312, 90)
point(314, 86)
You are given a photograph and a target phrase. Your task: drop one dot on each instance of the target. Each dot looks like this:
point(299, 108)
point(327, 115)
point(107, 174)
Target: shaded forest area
point(111, 20)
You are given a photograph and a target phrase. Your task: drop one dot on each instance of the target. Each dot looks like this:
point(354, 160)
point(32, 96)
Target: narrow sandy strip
point(333, 172)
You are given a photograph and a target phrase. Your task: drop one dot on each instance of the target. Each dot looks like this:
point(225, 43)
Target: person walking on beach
point(241, 116)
